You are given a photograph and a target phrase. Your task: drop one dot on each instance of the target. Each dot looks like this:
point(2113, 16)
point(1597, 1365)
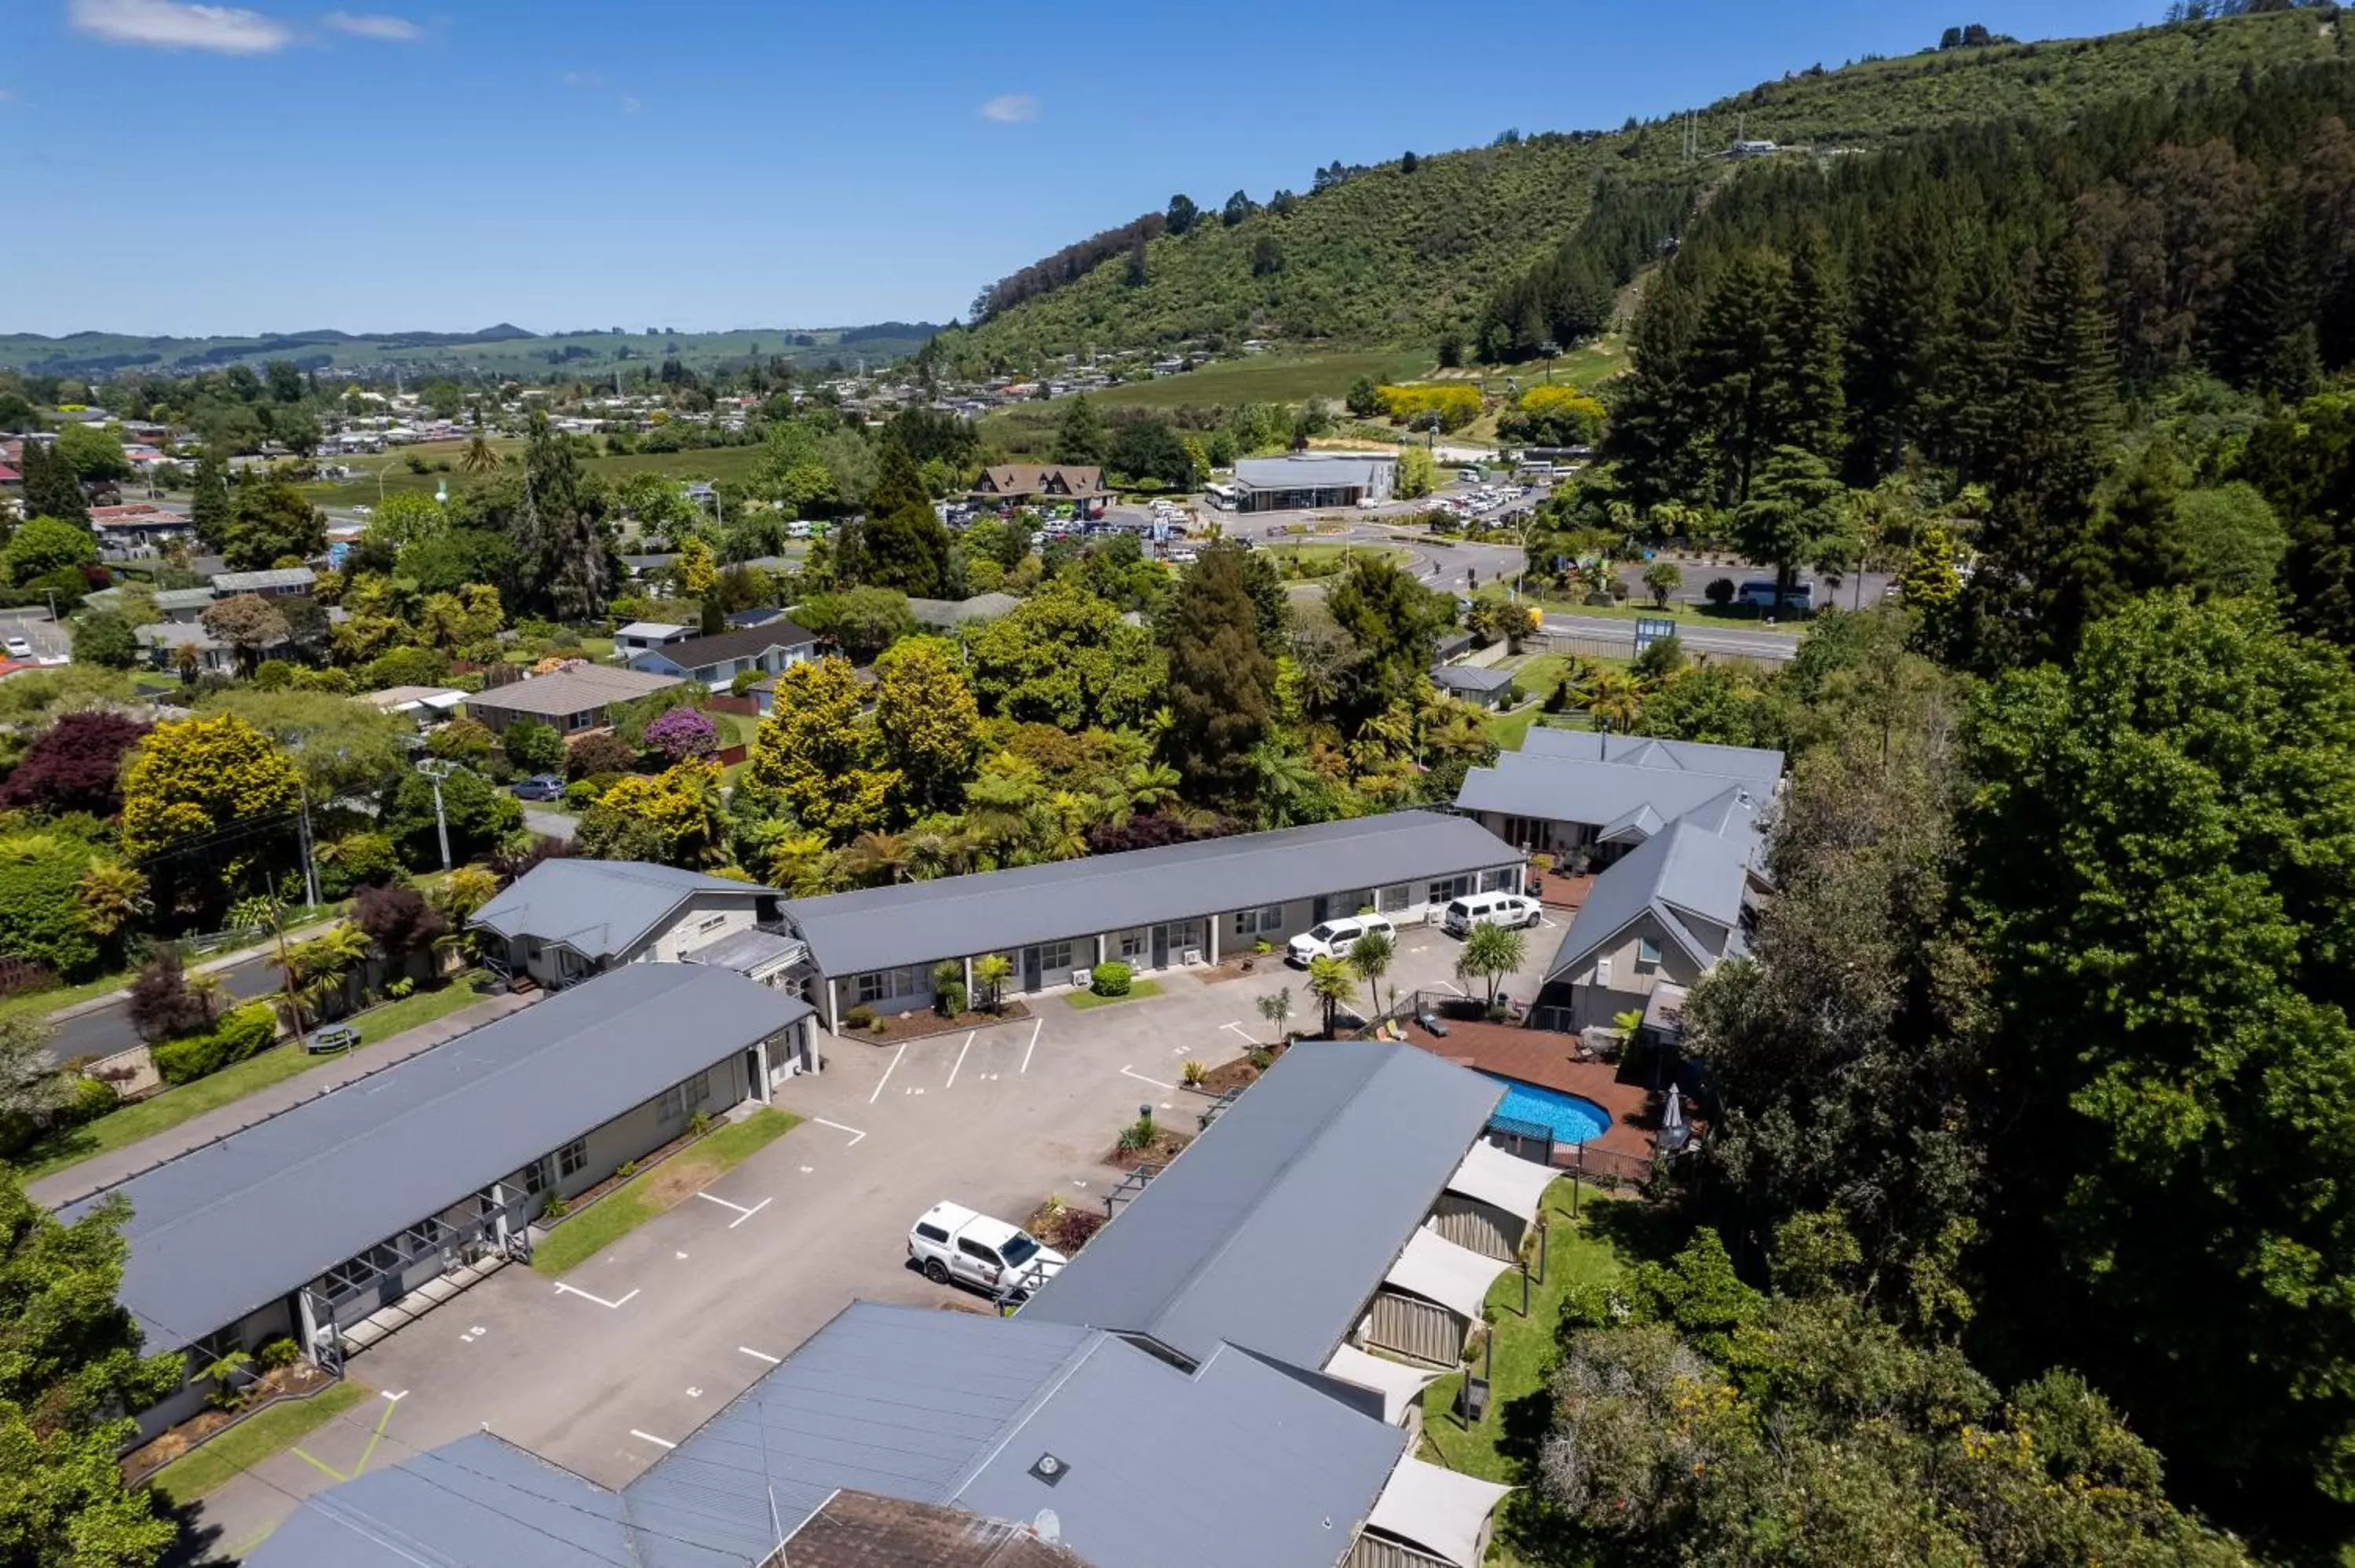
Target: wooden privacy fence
point(1409, 1326)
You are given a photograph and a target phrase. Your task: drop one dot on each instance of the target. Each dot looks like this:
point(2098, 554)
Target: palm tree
point(883, 856)
point(1277, 1010)
point(1370, 957)
point(1491, 952)
point(932, 854)
point(1151, 786)
point(1614, 701)
point(267, 912)
point(1330, 982)
point(1286, 780)
point(990, 972)
point(479, 457)
point(110, 896)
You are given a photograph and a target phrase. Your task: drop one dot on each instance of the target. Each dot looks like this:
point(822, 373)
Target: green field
point(714, 463)
point(1268, 378)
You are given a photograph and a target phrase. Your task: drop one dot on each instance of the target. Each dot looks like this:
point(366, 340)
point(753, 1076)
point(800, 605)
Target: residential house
point(1586, 798)
point(575, 700)
point(1484, 687)
point(278, 582)
point(715, 661)
point(640, 635)
point(948, 614)
point(567, 919)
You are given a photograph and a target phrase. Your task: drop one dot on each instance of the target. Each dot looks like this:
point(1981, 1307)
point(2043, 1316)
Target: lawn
point(711, 462)
point(1268, 378)
point(1084, 1000)
point(672, 1182)
point(249, 1442)
point(160, 1113)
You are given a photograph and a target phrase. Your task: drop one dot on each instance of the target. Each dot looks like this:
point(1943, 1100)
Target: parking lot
point(603, 1370)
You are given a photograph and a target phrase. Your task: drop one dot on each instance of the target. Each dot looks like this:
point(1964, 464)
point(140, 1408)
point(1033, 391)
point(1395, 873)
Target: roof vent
point(1048, 1468)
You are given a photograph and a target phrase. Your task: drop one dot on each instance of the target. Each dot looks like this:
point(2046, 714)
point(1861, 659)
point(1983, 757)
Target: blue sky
point(710, 163)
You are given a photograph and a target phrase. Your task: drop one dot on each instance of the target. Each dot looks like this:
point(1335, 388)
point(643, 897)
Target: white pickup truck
point(951, 1242)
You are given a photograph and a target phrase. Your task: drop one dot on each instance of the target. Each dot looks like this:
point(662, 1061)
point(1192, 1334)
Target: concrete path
point(105, 1170)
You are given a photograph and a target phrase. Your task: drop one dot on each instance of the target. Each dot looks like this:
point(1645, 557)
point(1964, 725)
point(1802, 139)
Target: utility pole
point(310, 866)
point(437, 769)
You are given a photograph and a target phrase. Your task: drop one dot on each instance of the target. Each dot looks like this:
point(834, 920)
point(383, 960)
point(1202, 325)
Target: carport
point(1440, 1513)
point(1431, 1297)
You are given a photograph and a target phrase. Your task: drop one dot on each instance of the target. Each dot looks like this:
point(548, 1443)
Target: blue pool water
point(1574, 1120)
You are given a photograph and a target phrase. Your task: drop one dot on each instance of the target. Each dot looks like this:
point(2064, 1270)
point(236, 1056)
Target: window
point(571, 1158)
point(880, 985)
point(1494, 881)
point(535, 1177)
point(932, 1233)
point(673, 1106)
point(1263, 922)
point(1392, 898)
point(976, 1251)
point(1135, 943)
point(1453, 887)
point(1647, 955)
point(1053, 955)
point(712, 923)
point(1351, 902)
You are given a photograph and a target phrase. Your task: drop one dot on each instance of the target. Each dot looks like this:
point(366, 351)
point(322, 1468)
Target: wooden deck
point(1547, 1059)
point(1559, 890)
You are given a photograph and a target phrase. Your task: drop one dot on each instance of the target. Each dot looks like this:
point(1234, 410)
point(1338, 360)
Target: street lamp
point(437, 768)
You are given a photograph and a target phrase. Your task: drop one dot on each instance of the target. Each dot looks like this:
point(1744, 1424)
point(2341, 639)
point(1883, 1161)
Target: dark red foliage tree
point(398, 920)
point(75, 765)
point(164, 1006)
point(1152, 830)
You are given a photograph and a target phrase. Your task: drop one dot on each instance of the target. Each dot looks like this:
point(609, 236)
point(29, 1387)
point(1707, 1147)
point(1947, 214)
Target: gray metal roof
point(1471, 678)
point(920, 922)
point(903, 1401)
point(1557, 788)
point(221, 1230)
point(574, 691)
point(477, 1500)
point(600, 909)
point(1275, 1228)
point(274, 578)
point(745, 950)
point(1306, 472)
point(1754, 765)
point(1700, 865)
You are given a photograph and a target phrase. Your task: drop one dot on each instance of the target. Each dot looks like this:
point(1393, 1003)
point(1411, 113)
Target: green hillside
point(1390, 255)
point(500, 351)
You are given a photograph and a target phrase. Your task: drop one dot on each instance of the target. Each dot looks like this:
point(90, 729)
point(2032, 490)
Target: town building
point(1031, 484)
point(1308, 479)
point(575, 699)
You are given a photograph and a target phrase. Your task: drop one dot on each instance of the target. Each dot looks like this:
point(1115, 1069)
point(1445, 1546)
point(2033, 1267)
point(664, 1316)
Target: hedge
point(241, 1032)
point(1110, 979)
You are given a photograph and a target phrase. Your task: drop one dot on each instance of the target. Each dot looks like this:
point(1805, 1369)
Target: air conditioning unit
point(1083, 979)
point(1191, 956)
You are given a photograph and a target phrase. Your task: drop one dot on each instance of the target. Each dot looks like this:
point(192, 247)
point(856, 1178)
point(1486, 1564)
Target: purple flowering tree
point(683, 733)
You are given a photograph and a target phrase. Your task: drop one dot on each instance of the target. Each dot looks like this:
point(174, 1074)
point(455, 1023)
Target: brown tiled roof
point(1042, 479)
point(861, 1530)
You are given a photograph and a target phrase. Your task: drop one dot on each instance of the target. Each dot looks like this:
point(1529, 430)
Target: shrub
point(41, 918)
point(744, 682)
point(1111, 978)
point(1074, 1228)
point(85, 1100)
point(557, 1208)
point(398, 920)
point(272, 676)
point(1720, 593)
point(581, 793)
point(600, 753)
point(860, 1017)
point(1137, 1136)
point(683, 733)
point(165, 1005)
point(698, 1124)
point(246, 1030)
point(626, 1168)
point(1193, 1073)
point(276, 1353)
point(533, 747)
point(1261, 1058)
point(950, 1000)
point(355, 860)
point(185, 1061)
point(463, 740)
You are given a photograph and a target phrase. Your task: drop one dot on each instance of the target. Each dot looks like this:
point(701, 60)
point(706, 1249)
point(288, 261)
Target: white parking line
point(724, 1203)
point(1240, 1030)
point(855, 1134)
point(1035, 1027)
point(576, 1290)
point(1141, 1079)
point(888, 1072)
point(760, 1355)
point(395, 1398)
point(658, 1442)
point(750, 1213)
point(960, 1061)
point(1454, 987)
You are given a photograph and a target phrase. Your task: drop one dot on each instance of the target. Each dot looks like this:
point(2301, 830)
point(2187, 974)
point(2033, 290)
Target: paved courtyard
point(634, 1349)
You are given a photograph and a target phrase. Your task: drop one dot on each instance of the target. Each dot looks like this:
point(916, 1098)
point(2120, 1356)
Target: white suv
point(1334, 938)
point(952, 1241)
point(1490, 909)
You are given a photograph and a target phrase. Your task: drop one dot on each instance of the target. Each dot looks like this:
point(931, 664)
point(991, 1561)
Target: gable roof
point(574, 691)
point(222, 1229)
point(1309, 470)
point(278, 577)
point(1700, 867)
point(1559, 789)
point(745, 642)
point(1754, 765)
point(1287, 1212)
point(1078, 480)
point(1471, 678)
point(600, 909)
point(863, 1530)
point(920, 922)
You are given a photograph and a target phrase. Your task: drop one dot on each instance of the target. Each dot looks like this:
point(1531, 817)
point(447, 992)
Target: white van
point(1758, 593)
point(1334, 938)
point(951, 1242)
point(1490, 909)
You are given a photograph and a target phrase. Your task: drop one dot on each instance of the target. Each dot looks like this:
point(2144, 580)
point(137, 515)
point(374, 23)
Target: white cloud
point(384, 29)
point(581, 79)
point(629, 104)
point(1009, 107)
point(172, 25)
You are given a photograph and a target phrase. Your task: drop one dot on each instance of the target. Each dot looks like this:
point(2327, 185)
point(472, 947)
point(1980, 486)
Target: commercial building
point(714, 662)
point(575, 700)
point(1587, 798)
point(304, 1223)
point(565, 920)
point(1199, 1386)
point(1029, 484)
point(1152, 909)
point(1314, 478)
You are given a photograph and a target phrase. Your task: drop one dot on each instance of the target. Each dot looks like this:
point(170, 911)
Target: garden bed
point(1238, 966)
point(1168, 1143)
point(1235, 1074)
point(294, 1381)
point(890, 1029)
point(1137, 990)
point(1064, 1226)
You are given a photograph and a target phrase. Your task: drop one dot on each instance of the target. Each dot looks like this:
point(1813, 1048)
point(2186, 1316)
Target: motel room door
point(1030, 969)
point(1161, 947)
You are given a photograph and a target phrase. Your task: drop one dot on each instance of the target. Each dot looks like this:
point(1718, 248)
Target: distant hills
point(504, 350)
point(1404, 250)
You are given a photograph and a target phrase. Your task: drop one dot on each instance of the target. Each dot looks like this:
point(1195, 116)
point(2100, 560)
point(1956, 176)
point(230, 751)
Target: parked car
point(1334, 938)
point(538, 787)
point(951, 1242)
point(19, 648)
point(1490, 909)
point(1759, 594)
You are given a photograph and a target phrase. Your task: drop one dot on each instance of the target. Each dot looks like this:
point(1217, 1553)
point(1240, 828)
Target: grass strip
point(642, 1197)
point(1084, 1000)
point(250, 1441)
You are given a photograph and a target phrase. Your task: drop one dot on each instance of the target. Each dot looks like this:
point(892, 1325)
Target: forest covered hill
point(1415, 248)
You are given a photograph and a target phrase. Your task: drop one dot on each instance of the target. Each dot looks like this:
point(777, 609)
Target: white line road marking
point(960, 1061)
point(724, 1202)
point(750, 1213)
point(888, 1072)
point(395, 1398)
point(576, 1290)
point(807, 1168)
point(855, 1134)
point(1456, 989)
point(760, 1355)
point(1035, 1027)
point(657, 1442)
point(1132, 1073)
point(695, 1394)
point(680, 1255)
point(1240, 1030)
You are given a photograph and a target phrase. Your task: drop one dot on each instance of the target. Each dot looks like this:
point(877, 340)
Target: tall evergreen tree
point(903, 543)
point(211, 507)
point(1655, 420)
point(50, 488)
point(1806, 400)
point(2266, 341)
point(1221, 681)
point(560, 529)
point(1732, 369)
point(1966, 413)
point(1080, 439)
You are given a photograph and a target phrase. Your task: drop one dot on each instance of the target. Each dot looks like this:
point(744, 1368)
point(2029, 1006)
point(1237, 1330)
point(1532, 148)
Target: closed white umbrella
point(1673, 1118)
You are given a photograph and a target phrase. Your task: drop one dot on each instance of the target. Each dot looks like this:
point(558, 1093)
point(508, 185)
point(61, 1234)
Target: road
point(104, 1030)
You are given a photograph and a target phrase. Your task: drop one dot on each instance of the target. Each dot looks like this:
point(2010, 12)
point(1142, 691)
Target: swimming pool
point(1572, 1120)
